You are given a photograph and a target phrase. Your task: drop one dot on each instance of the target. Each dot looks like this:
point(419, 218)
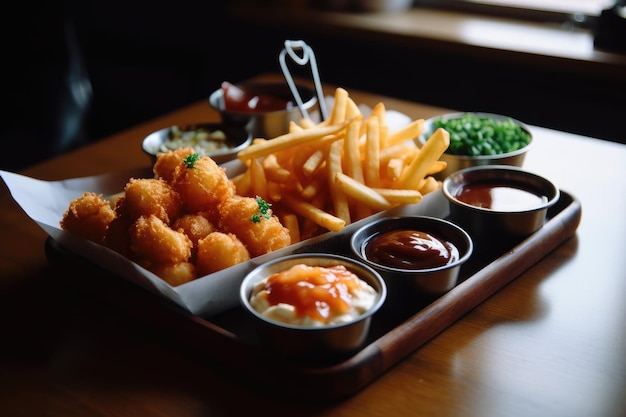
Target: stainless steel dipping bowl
point(312, 343)
point(494, 229)
point(405, 283)
point(237, 138)
point(458, 162)
point(269, 124)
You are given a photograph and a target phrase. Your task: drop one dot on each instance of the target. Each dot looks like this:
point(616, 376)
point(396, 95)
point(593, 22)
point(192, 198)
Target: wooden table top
point(551, 343)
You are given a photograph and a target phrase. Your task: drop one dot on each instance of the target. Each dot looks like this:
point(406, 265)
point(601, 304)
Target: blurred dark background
point(77, 71)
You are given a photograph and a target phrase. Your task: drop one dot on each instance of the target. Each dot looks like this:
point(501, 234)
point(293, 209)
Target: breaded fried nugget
point(174, 274)
point(167, 162)
point(88, 216)
point(218, 251)
point(194, 225)
point(202, 186)
point(150, 196)
point(151, 240)
point(264, 236)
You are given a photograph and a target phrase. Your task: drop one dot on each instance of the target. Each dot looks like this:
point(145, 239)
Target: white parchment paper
point(46, 201)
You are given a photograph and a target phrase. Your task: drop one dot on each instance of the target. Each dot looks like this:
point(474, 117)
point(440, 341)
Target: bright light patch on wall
point(538, 40)
point(589, 7)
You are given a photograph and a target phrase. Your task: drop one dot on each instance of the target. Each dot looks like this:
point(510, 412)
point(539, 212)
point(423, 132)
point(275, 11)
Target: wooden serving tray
point(397, 330)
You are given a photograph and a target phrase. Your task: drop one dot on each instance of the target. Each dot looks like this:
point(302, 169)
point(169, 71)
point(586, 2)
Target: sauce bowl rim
point(520, 172)
point(357, 249)
point(211, 126)
point(216, 97)
point(251, 278)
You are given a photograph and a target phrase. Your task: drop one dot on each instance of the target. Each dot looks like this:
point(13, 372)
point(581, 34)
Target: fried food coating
point(194, 225)
point(184, 223)
point(150, 196)
point(88, 216)
point(153, 241)
point(218, 251)
point(264, 236)
point(174, 274)
point(204, 186)
point(166, 162)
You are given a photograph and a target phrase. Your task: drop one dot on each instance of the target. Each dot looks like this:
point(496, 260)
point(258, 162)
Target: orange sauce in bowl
point(314, 291)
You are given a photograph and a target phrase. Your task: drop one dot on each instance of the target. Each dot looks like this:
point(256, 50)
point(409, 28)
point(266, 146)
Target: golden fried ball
point(167, 162)
point(150, 196)
point(88, 216)
point(154, 241)
point(203, 186)
point(194, 225)
point(174, 274)
point(264, 236)
point(218, 251)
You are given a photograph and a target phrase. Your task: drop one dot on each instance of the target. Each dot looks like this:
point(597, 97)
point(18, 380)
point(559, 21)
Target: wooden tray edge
point(340, 380)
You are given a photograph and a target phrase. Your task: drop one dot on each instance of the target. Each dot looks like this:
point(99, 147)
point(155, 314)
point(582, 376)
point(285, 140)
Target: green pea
point(472, 135)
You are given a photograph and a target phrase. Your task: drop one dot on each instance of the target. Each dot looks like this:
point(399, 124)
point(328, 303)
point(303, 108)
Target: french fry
point(315, 214)
point(309, 229)
point(352, 152)
point(352, 110)
point(323, 176)
point(432, 150)
point(306, 123)
point(372, 153)
point(313, 162)
point(274, 191)
point(339, 198)
point(298, 160)
point(395, 166)
point(408, 132)
point(273, 171)
point(402, 151)
point(291, 222)
point(264, 148)
point(258, 181)
point(243, 183)
point(313, 188)
point(338, 114)
point(295, 127)
point(436, 167)
point(429, 185)
point(361, 192)
point(377, 112)
point(383, 132)
point(395, 196)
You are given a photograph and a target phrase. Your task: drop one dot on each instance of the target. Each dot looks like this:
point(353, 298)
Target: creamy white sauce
point(361, 300)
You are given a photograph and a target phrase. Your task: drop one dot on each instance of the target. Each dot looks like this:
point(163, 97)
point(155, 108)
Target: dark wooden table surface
point(551, 343)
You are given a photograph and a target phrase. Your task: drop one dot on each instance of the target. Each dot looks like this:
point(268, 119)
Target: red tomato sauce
point(249, 99)
point(500, 197)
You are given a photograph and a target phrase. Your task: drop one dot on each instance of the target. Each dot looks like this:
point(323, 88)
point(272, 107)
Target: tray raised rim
point(341, 379)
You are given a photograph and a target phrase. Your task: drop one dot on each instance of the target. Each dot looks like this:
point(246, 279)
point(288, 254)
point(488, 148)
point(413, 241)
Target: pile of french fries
point(323, 176)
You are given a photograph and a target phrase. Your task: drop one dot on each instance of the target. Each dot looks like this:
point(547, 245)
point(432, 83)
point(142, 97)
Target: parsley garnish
point(190, 160)
point(264, 210)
